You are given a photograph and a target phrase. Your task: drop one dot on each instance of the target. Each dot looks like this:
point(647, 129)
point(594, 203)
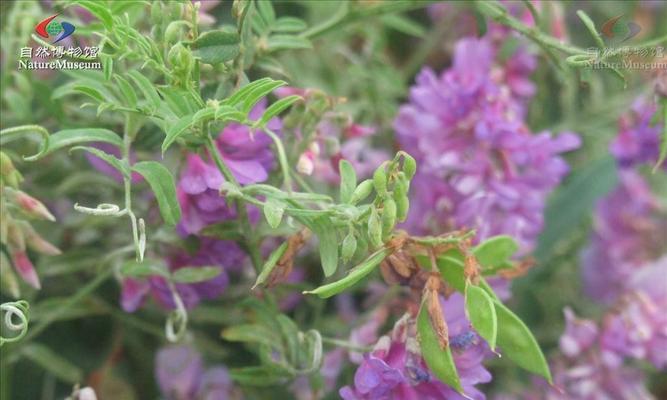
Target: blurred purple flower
point(629, 230)
point(638, 140)
point(226, 255)
point(180, 374)
point(579, 334)
point(395, 369)
point(478, 164)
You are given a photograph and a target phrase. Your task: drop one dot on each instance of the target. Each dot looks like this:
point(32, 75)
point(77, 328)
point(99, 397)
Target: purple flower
point(639, 328)
point(249, 158)
point(396, 370)
point(216, 253)
point(579, 334)
point(638, 140)
point(180, 374)
point(629, 230)
point(479, 165)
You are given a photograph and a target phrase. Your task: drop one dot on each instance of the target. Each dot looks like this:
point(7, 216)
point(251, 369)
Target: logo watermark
point(49, 27)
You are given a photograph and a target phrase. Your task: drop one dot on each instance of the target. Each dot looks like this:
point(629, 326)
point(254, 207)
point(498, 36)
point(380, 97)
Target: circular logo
point(54, 28)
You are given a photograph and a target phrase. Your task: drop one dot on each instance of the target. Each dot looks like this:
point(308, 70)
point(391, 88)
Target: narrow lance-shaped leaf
point(482, 314)
point(146, 88)
point(110, 159)
point(241, 94)
point(53, 362)
point(276, 108)
point(270, 264)
point(195, 274)
point(128, 92)
point(354, 276)
point(348, 180)
point(215, 47)
point(160, 180)
point(136, 269)
point(175, 131)
point(69, 137)
point(440, 361)
point(518, 343)
point(257, 93)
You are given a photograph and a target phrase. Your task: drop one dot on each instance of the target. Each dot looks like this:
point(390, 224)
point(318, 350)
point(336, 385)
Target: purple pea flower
point(638, 140)
point(396, 370)
point(249, 158)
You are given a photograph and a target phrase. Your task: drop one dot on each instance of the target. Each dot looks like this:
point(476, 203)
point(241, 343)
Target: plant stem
point(282, 159)
point(127, 181)
point(252, 240)
point(346, 344)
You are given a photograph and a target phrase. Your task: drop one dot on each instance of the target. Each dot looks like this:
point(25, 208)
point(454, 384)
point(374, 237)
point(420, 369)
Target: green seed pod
point(388, 216)
point(173, 32)
point(375, 229)
point(402, 207)
point(362, 191)
point(380, 180)
point(409, 165)
point(349, 247)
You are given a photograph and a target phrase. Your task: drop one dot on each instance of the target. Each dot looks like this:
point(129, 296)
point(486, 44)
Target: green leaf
point(286, 42)
point(440, 361)
point(258, 376)
point(241, 94)
point(289, 24)
point(107, 66)
point(451, 270)
point(175, 131)
point(52, 362)
point(136, 269)
point(518, 343)
point(569, 206)
point(93, 90)
point(160, 180)
point(258, 92)
point(228, 113)
point(276, 108)
point(482, 314)
point(328, 239)
point(273, 211)
point(215, 47)
point(405, 25)
point(494, 251)
point(353, 276)
point(99, 10)
point(147, 88)
point(270, 264)
point(128, 92)
point(348, 247)
point(251, 333)
point(348, 180)
point(69, 137)
point(195, 274)
point(119, 165)
point(266, 11)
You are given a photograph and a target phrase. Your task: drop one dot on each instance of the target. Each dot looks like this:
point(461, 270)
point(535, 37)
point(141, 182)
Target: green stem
point(127, 182)
point(498, 13)
point(252, 240)
point(282, 158)
point(346, 344)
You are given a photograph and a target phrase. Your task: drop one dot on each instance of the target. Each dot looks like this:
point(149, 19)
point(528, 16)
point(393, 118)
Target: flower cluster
point(479, 165)
point(396, 370)
point(180, 374)
point(625, 266)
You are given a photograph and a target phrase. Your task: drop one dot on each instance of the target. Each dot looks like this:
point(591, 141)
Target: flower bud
point(380, 180)
point(8, 280)
point(37, 243)
point(24, 267)
point(87, 393)
point(10, 175)
point(349, 247)
point(30, 205)
point(388, 216)
point(375, 229)
point(305, 165)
